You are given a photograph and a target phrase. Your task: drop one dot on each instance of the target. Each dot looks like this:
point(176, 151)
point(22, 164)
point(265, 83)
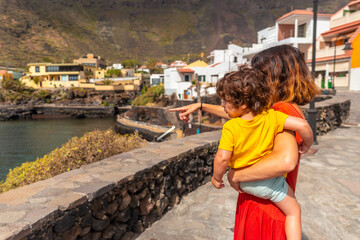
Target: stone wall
point(331, 113)
point(332, 110)
point(147, 131)
point(153, 115)
point(116, 198)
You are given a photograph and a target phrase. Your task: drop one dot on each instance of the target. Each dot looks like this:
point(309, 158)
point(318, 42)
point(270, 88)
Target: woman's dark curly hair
point(245, 87)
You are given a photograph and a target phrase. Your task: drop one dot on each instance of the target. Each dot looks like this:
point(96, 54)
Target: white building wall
point(355, 79)
point(322, 26)
point(219, 56)
point(171, 77)
point(268, 35)
point(235, 48)
point(181, 87)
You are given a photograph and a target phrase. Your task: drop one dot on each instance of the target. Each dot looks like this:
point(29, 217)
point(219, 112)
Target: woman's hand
point(186, 111)
point(235, 185)
point(303, 148)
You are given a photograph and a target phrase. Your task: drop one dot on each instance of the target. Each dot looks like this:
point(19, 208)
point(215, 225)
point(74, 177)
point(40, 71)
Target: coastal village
point(156, 184)
point(337, 60)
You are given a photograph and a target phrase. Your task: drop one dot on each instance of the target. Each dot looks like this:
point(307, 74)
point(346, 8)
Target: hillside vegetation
point(61, 30)
point(148, 96)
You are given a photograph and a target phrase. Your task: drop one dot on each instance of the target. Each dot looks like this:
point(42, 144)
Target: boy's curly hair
point(245, 87)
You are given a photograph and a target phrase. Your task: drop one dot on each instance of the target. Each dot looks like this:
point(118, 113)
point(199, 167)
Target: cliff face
point(56, 30)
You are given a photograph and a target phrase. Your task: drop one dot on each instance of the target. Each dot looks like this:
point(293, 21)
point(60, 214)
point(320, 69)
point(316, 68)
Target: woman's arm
point(185, 111)
point(302, 127)
point(281, 160)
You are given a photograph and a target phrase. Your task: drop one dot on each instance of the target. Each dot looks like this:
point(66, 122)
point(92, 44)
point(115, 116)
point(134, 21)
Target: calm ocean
point(25, 140)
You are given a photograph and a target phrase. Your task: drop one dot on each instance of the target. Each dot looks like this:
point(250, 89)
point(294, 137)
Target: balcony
point(327, 52)
point(348, 18)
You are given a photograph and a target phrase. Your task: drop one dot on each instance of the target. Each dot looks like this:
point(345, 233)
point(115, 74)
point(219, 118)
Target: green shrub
point(107, 81)
point(113, 73)
point(36, 80)
point(42, 94)
point(14, 85)
point(149, 96)
point(2, 97)
point(92, 147)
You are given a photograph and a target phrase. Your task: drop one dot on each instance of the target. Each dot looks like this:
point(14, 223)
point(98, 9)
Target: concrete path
point(328, 191)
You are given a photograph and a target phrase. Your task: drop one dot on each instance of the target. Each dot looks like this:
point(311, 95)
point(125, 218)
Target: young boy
point(250, 135)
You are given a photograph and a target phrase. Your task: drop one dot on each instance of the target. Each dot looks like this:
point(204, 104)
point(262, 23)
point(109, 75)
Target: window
point(64, 68)
point(37, 69)
point(302, 30)
point(202, 78)
point(214, 78)
point(187, 78)
point(52, 68)
point(348, 11)
point(73, 77)
point(155, 81)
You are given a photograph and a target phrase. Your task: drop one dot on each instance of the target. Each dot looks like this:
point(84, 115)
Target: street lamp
point(312, 110)
point(347, 47)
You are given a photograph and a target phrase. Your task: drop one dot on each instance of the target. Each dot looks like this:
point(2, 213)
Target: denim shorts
point(274, 189)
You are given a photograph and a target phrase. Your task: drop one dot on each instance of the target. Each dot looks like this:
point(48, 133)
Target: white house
point(156, 79)
point(143, 68)
point(294, 28)
point(117, 66)
point(180, 80)
point(178, 64)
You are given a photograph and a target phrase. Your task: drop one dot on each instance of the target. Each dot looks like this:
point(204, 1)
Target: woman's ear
point(243, 107)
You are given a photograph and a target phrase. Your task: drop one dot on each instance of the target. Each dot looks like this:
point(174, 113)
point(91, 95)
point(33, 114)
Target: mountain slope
point(56, 30)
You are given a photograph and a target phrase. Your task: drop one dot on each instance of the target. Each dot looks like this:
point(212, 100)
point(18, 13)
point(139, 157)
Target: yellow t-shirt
point(250, 140)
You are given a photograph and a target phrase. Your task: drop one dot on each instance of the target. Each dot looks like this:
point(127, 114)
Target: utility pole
point(198, 99)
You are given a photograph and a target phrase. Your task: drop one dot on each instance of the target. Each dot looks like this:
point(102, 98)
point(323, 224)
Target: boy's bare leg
point(291, 208)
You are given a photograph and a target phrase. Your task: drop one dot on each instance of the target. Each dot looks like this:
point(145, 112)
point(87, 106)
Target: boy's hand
point(303, 148)
point(185, 111)
point(216, 183)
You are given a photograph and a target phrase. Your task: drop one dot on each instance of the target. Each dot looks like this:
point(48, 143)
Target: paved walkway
point(328, 191)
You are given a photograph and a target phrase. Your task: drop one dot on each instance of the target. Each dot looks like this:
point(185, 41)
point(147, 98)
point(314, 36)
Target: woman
point(292, 85)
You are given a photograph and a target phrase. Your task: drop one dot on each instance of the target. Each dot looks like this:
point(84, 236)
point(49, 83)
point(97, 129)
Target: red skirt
point(258, 219)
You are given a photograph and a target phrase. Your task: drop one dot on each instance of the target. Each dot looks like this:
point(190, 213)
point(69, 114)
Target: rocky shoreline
point(14, 112)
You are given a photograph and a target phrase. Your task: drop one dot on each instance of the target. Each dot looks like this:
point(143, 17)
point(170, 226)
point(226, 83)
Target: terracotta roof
point(355, 34)
point(311, 44)
point(215, 64)
point(185, 70)
point(323, 59)
point(342, 28)
point(301, 12)
point(353, 3)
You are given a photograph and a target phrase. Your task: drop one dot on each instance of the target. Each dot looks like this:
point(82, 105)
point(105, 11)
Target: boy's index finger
point(177, 109)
